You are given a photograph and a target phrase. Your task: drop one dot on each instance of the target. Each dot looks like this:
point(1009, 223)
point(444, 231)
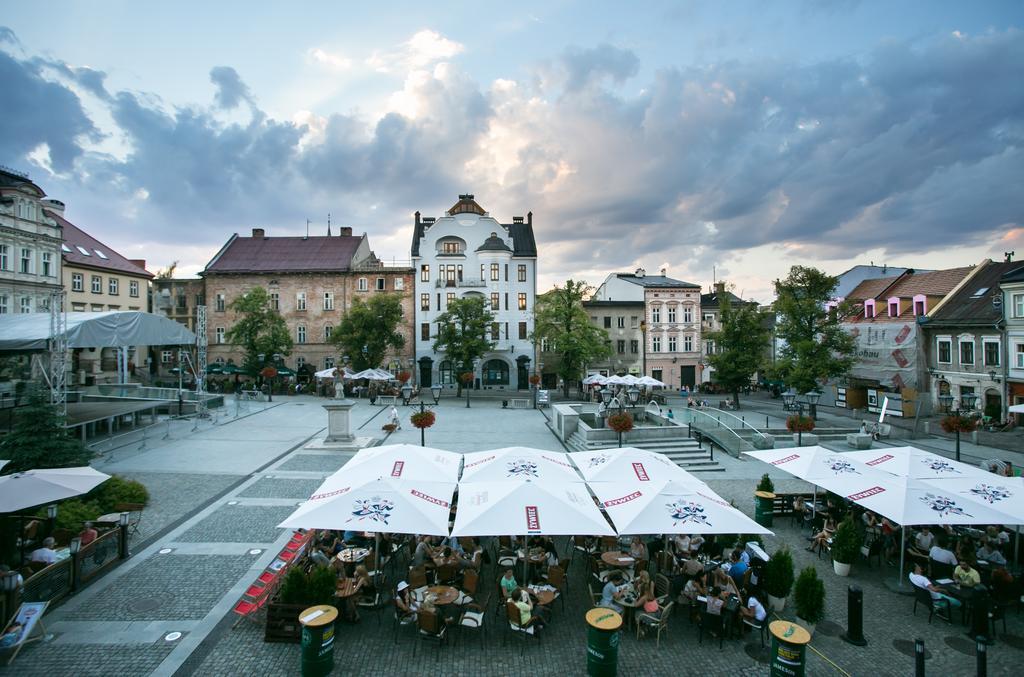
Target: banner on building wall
point(886, 352)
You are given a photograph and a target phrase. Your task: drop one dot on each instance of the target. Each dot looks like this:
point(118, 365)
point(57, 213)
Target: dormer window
point(894, 307)
point(920, 305)
point(451, 246)
point(869, 309)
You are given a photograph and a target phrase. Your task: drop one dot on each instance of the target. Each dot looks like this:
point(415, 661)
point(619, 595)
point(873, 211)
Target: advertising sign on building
point(886, 352)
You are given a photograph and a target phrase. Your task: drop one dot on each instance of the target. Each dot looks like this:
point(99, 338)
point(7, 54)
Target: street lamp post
point(435, 390)
point(789, 400)
point(407, 393)
point(966, 406)
point(812, 401)
point(643, 341)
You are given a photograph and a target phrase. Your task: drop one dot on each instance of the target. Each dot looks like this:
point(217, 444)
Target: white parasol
point(630, 464)
point(527, 508)
point(916, 463)
point(404, 461)
point(515, 464)
point(36, 487)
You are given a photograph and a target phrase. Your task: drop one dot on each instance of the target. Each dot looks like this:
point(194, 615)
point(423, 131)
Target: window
point(894, 308)
point(219, 303)
point(634, 346)
point(1018, 305)
point(77, 282)
point(82, 250)
point(655, 344)
point(991, 353)
point(300, 362)
point(482, 269)
point(522, 300)
point(166, 356)
point(967, 351)
point(522, 272)
point(424, 273)
point(328, 300)
point(399, 284)
point(425, 331)
point(506, 300)
point(300, 300)
point(112, 284)
point(607, 322)
point(100, 254)
point(672, 344)
point(688, 344)
point(3, 307)
point(451, 248)
point(869, 308)
point(381, 285)
point(1018, 348)
point(96, 307)
point(944, 350)
point(495, 301)
point(656, 314)
point(26, 260)
point(47, 262)
point(495, 373)
point(620, 321)
point(620, 346)
point(97, 284)
point(133, 289)
point(687, 315)
point(634, 321)
point(328, 330)
point(26, 304)
point(449, 297)
point(495, 270)
point(300, 333)
point(495, 331)
point(546, 345)
point(275, 300)
point(362, 284)
point(709, 347)
point(328, 363)
point(424, 301)
point(671, 315)
point(3, 257)
point(522, 331)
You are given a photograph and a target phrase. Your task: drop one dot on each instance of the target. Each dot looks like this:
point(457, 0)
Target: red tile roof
point(76, 238)
point(933, 284)
point(285, 254)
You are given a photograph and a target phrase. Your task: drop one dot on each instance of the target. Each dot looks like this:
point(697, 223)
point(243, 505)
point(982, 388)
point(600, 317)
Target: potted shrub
point(778, 578)
point(964, 424)
point(801, 427)
point(845, 546)
point(766, 484)
point(809, 595)
point(764, 501)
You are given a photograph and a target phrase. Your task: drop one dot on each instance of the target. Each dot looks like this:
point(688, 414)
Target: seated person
point(319, 558)
point(45, 554)
point(741, 552)
point(985, 552)
point(508, 583)
point(637, 549)
point(527, 610)
point(364, 584)
point(938, 593)
point(799, 505)
point(695, 587)
point(870, 520)
point(551, 551)
point(404, 601)
point(696, 542)
point(715, 601)
point(10, 636)
point(682, 546)
point(88, 534)
point(924, 540)
point(737, 569)
point(822, 537)
point(612, 592)
point(423, 553)
point(938, 553)
point(725, 583)
point(966, 575)
point(754, 609)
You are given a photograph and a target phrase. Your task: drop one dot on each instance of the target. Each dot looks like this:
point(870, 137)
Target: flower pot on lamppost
point(467, 381)
point(960, 420)
point(422, 419)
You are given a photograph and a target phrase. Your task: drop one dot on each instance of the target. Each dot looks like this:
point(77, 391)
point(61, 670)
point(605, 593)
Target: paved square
point(239, 524)
point(89, 660)
point(314, 462)
point(281, 487)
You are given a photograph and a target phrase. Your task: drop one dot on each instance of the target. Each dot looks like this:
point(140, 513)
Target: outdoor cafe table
point(345, 591)
point(617, 559)
point(446, 594)
point(353, 555)
point(544, 597)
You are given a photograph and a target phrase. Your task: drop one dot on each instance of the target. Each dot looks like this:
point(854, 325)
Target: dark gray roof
point(523, 242)
point(609, 304)
point(972, 304)
point(493, 244)
point(655, 281)
point(522, 238)
point(10, 179)
point(714, 299)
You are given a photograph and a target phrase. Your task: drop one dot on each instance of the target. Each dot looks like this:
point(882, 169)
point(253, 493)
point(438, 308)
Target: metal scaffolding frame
point(200, 367)
point(58, 357)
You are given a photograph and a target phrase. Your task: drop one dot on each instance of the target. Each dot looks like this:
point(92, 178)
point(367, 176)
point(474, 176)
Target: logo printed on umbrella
point(396, 469)
point(555, 460)
point(641, 474)
point(625, 499)
point(944, 506)
point(791, 457)
point(687, 512)
point(375, 509)
point(939, 465)
point(532, 518)
point(864, 494)
point(597, 460)
point(430, 499)
point(880, 459)
point(317, 497)
point(522, 467)
point(840, 466)
point(990, 493)
point(482, 460)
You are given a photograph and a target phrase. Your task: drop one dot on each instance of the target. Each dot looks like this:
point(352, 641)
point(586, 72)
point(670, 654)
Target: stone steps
point(684, 452)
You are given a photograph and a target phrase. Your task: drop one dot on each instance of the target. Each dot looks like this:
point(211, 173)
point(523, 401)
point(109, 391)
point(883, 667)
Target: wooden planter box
point(283, 622)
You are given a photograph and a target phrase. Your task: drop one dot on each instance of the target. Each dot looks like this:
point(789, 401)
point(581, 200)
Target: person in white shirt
point(46, 553)
point(924, 540)
point(991, 555)
point(695, 542)
point(755, 610)
point(940, 554)
point(682, 542)
point(938, 593)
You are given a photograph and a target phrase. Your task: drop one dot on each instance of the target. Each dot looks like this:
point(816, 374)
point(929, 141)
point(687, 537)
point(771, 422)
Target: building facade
point(312, 281)
point(30, 246)
point(1011, 287)
point(466, 253)
point(622, 320)
point(711, 321)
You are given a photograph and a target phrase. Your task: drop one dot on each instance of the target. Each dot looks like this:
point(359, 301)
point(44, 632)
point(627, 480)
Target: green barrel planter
point(764, 507)
point(603, 642)
point(318, 640)
point(788, 655)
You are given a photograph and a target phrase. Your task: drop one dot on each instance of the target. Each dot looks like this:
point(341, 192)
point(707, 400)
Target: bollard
point(980, 603)
point(855, 616)
point(918, 658)
point(167, 435)
point(766, 423)
point(689, 429)
point(981, 648)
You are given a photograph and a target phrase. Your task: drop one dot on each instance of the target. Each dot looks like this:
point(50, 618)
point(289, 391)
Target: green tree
point(372, 326)
point(259, 330)
point(38, 438)
point(816, 345)
point(740, 346)
point(463, 332)
point(559, 317)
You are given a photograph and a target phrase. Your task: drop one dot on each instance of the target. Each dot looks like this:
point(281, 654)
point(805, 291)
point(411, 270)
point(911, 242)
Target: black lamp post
point(51, 518)
point(643, 341)
point(122, 524)
point(435, 391)
point(812, 400)
point(967, 401)
point(406, 393)
point(74, 547)
point(789, 399)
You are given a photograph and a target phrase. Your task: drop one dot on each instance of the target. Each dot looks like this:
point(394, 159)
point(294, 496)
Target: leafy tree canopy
point(259, 330)
point(463, 332)
point(38, 438)
point(559, 317)
point(369, 330)
point(740, 346)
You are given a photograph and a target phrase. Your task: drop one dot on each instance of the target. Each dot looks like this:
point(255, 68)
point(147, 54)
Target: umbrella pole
point(903, 554)
point(1016, 547)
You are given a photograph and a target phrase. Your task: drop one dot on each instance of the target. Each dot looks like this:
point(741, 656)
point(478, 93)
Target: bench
point(783, 503)
point(519, 403)
point(859, 441)
point(385, 400)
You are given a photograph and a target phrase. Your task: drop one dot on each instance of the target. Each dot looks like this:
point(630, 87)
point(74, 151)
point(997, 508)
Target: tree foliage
point(259, 330)
point(816, 345)
point(559, 317)
point(38, 438)
point(372, 325)
point(740, 346)
point(463, 332)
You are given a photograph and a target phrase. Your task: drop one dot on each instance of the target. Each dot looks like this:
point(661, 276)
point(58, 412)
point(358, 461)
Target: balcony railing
point(459, 284)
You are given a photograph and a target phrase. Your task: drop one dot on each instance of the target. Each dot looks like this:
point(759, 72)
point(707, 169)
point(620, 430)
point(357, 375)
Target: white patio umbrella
point(381, 375)
point(616, 380)
point(1016, 409)
point(630, 464)
point(515, 464)
point(3, 463)
point(382, 505)
point(404, 461)
point(670, 508)
point(916, 463)
point(326, 373)
point(595, 379)
point(650, 382)
point(35, 487)
point(1003, 493)
point(818, 465)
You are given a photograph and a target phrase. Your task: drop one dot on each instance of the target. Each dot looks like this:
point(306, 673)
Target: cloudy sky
point(734, 140)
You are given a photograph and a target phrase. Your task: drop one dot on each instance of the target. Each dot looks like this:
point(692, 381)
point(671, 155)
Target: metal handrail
point(705, 423)
point(743, 423)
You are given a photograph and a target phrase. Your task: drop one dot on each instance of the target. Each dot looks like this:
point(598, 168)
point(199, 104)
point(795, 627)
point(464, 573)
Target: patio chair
point(470, 581)
point(556, 579)
point(445, 574)
point(609, 543)
point(432, 628)
point(400, 619)
point(472, 618)
point(595, 597)
point(872, 550)
point(517, 628)
point(666, 563)
point(645, 621)
point(934, 606)
point(760, 626)
point(939, 570)
point(712, 624)
point(662, 585)
point(417, 578)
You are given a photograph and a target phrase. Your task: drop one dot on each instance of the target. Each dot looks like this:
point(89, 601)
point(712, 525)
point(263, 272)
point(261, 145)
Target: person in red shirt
point(88, 534)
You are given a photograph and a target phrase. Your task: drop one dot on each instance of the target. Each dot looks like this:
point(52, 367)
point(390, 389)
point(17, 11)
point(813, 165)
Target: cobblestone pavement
point(174, 495)
point(239, 524)
point(166, 587)
point(281, 487)
point(327, 463)
point(89, 660)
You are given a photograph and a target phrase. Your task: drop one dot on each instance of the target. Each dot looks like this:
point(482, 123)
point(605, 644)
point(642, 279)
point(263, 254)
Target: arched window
point(445, 373)
point(495, 373)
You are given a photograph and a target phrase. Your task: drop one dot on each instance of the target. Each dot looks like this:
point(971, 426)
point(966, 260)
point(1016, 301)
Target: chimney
point(719, 287)
point(529, 218)
point(345, 231)
point(517, 219)
point(417, 219)
point(258, 232)
point(141, 263)
point(640, 272)
point(664, 271)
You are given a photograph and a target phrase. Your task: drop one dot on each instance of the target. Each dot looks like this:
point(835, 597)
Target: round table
point(446, 594)
point(353, 555)
point(544, 597)
point(617, 559)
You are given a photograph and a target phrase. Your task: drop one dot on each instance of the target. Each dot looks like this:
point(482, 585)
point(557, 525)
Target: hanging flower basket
point(466, 377)
point(620, 423)
point(799, 424)
point(403, 376)
point(534, 379)
point(963, 424)
point(268, 372)
point(422, 419)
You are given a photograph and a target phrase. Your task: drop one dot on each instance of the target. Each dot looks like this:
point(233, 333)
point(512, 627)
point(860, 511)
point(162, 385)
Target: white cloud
point(330, 60)
point(424, 48)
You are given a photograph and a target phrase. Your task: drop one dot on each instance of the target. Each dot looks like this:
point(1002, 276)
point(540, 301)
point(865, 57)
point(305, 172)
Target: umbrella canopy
point(325, 373)
point(1005, 494)
point(916, 463)
point(527, 508)
point(818, 465)
point(388, 504)
point(383, 374)
point(404, 461)
point(670, 508)
point(231, 368)
point(630, 464)
point(515, 464)
point(595, 379)
point(616, 380)
point(284, 371)
point(215, 368)
point(35, 487)
point(1016, 409)
point(650, 382)
point(3, 463)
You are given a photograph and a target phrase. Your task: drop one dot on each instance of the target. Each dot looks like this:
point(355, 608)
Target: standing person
point(395, 421)
point(670, 415)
